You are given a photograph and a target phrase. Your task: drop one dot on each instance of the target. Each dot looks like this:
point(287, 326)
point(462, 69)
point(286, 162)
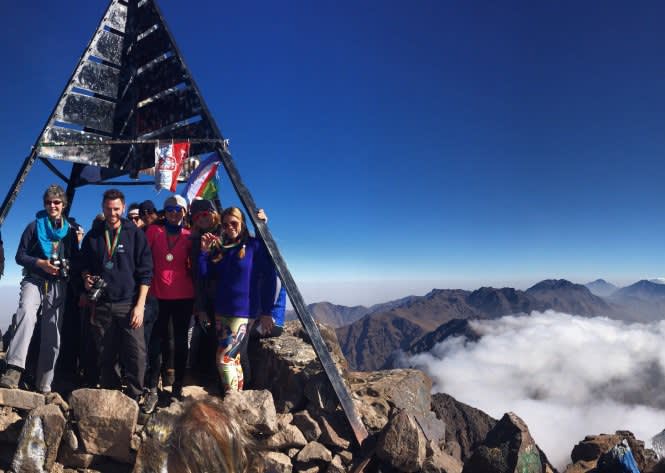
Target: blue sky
point(400, 146)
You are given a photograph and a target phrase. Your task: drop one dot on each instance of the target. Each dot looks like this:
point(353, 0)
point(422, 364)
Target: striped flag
point(203, 181)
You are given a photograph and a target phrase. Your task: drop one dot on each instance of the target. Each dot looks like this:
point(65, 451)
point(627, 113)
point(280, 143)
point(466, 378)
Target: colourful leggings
point(231, 342)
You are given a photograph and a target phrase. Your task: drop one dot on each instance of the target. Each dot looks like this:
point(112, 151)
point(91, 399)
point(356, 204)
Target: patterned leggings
point(232, 336)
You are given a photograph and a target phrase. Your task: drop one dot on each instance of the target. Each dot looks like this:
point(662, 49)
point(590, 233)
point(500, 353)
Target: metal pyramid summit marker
point(130, 89)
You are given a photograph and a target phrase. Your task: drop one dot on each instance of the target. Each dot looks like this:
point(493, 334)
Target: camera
point(63, 266)
point(97, 289)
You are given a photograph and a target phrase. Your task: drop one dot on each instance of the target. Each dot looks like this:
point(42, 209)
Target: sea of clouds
point(565, 376)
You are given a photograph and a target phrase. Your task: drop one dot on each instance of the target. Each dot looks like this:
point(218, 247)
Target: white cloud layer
point(566, 376)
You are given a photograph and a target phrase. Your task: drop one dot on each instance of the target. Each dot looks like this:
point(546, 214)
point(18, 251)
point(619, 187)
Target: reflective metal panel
point(108, 46)
point(116, 17)
point(89, 112)
point(98, 78)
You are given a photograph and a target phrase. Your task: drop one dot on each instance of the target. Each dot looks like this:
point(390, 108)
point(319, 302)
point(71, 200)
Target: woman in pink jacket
point(173, 287)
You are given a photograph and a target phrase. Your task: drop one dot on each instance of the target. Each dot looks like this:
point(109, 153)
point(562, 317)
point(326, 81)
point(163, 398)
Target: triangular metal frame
point(131, 88)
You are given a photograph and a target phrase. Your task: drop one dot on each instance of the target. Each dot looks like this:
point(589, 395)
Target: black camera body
point(97, 289)
point(63, 266)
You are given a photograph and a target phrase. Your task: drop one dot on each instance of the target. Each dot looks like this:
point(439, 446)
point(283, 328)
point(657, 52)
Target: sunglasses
point(135, 218)
point(148, 212)
point(52, 202)
point(172, 208)
point(202, 214)
point(234, 224)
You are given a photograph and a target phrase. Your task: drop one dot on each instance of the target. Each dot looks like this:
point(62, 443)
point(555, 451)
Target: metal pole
point(16, 186)
point(297, 300)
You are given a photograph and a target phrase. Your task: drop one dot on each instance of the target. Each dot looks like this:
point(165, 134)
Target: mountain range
point(371, 337)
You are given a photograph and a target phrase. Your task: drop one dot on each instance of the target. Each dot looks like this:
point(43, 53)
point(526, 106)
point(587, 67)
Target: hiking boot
point(10, 379)
point(150, 402)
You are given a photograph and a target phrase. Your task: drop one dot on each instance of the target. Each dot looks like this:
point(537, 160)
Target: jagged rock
point(508, 448)
point(329, 433)
point(314, 452)
point(336, 465)
point(586, 453)
point(19, 399)
point(106, 421)
point(39, 441)
point(278, 462)
point(152, 453)
point(290, 437)
point(70, 438)
point(55, 398)
point(402, 444)
point(10, 425)
point(329, 336)
point(307, 425)
point(75, 459)
point(433, 428)
point(309, 469)
point(292, 452)
point(346, 457)
point(377, 393)
point(466, 426)
point(255, 408)
point(288, 366)
point(438, 461)
point(283, 420)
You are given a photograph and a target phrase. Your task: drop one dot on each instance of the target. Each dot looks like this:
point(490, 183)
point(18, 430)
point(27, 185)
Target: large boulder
point(402, 444)
point(106, 421)
point(38, 444)
point(508, 448)
point(377, 393)
point(288, 366)
point(586, 453)
point(466, 426)
point(255, 408)
point(19, 399)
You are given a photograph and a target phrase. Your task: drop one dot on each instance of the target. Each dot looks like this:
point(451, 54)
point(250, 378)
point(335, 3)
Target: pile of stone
point(292, 411)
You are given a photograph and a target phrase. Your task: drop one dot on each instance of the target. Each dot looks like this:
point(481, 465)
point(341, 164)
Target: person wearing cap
point(116, 252)
point(133, 214)
point(48, 245)
point(148, 212)
point(173, 287)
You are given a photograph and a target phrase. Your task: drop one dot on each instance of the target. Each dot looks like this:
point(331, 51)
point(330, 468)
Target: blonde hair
point(244, 233)
point(208, 438)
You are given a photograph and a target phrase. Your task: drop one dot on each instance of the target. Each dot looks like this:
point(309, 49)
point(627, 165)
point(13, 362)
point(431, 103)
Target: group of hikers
point(156, 292)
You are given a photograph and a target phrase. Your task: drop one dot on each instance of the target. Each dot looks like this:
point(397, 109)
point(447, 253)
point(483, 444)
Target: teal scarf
point(47, 235)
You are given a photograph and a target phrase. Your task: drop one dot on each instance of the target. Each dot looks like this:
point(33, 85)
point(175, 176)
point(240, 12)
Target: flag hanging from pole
point(203, 183)
point(169, 157)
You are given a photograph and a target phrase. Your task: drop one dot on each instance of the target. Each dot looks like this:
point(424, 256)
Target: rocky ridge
point(291, 411)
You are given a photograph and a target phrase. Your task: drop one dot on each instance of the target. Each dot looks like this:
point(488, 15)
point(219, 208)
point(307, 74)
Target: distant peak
point(549, 284)
point(657, 280)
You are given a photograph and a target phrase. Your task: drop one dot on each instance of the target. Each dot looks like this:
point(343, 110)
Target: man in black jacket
point(47, 247)
point(117, 252)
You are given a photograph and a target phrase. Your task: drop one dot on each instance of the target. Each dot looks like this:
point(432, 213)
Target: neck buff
point(47, 234)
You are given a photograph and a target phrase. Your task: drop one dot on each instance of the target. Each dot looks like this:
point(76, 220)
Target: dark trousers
point(152, 346)
point(176, 312)
point(115, 341)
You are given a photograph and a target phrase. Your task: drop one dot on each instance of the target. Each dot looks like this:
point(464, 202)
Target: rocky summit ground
point(292, 411)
